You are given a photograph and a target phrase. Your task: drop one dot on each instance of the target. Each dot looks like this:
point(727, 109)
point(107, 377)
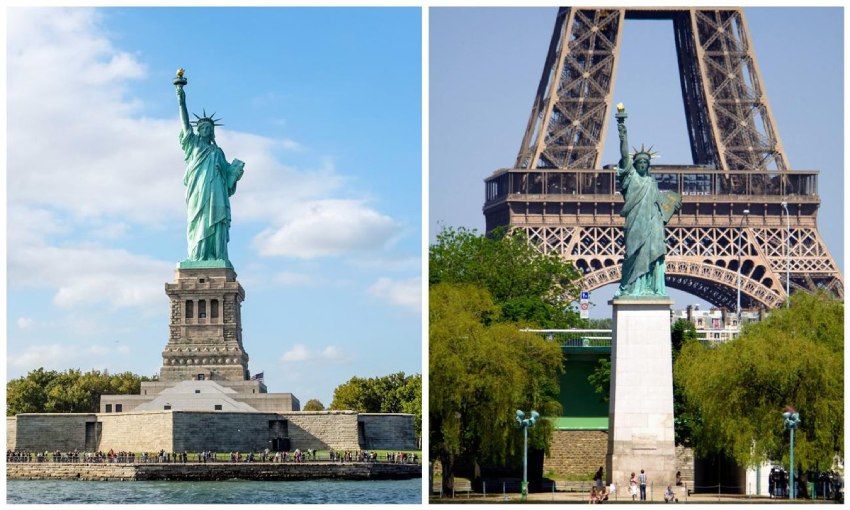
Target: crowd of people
point(826, 484)
point(206, 456)
point(600, 493)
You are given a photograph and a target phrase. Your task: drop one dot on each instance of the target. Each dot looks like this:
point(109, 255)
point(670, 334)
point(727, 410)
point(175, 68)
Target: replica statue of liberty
point(210, 181)
point(646, 210)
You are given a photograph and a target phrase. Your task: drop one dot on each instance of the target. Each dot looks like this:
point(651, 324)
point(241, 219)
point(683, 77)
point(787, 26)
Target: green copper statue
point(646, 210)
point(210, 181)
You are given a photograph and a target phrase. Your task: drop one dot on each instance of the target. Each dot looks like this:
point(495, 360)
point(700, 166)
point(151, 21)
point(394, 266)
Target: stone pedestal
point(205, 339)
point(640, 433)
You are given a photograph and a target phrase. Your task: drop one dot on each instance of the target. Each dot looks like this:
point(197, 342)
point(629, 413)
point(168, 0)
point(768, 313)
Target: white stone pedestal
point(640, 430)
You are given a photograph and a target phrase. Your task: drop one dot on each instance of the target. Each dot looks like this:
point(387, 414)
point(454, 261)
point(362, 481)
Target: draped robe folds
point(643, 266)
point(210, 181)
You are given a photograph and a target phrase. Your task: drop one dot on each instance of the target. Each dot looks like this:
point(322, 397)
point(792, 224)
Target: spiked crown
point(206, 118)
point(647, 153)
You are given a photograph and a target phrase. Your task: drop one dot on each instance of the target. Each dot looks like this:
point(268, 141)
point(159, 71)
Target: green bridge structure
point(583, 408)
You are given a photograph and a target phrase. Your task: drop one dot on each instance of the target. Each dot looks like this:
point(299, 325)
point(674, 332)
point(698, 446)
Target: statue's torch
point(179, 80)
point(621, 113)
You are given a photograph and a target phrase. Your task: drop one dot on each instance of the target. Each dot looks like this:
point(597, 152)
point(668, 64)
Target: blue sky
point(486, 64)
point(324, 107)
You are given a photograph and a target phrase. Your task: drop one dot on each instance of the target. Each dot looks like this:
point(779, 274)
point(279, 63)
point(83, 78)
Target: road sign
point(585, 295)
point(584, 311)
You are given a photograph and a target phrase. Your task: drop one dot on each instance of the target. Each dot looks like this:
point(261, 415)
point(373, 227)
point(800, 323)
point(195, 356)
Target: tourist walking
point(597, 478)
point(633, 486)
point(642, 481)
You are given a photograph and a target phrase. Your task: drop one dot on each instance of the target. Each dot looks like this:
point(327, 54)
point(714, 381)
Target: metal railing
point(561, 184)
point(603, 337)
point(576, 337)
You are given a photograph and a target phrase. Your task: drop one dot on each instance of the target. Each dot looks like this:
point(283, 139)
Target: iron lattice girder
point(558, 194)
point(704, 261)
point(730, 123)
point(576, 214)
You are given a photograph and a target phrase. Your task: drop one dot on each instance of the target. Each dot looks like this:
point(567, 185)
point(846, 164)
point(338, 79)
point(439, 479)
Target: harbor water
point(232, 492)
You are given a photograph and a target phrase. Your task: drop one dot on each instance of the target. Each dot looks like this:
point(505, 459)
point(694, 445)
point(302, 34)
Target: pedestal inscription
point(205, 340)
point(640, 434)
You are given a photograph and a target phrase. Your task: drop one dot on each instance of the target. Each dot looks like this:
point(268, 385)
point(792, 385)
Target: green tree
point(480, 373)
point(739, 389)
point(71, 391)
point(527, 286)
point(682, 331)
point(600, 379)
point(314, 404)
point(684, 417)
point(393, 393)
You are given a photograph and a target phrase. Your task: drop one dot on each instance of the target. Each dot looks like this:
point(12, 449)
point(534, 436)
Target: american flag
point(257, 377)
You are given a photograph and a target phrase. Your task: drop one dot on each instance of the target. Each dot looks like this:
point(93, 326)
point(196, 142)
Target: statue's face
point(205, 130)
point(642, 166)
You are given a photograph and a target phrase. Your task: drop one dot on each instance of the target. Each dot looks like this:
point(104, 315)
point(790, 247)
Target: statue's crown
point(647, 153)
point(206, 118)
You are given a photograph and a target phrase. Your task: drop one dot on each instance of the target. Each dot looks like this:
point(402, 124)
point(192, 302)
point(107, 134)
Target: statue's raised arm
point(625, 157)
point(179, 82)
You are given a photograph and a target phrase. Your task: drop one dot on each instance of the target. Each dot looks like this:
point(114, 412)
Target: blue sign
point(585, 294)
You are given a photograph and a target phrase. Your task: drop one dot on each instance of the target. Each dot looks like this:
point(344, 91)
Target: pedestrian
point(597, 478)
point(669, 496)
point(633, 486)
point(642, 480)
point(593, 497)
point(771, 482)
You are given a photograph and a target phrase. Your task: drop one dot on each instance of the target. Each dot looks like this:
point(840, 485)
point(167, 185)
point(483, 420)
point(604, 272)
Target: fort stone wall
point(221, 431)
point(45, 431)
point(388, 431)
point(149, 431)
point(11, 432)
point(323, 430)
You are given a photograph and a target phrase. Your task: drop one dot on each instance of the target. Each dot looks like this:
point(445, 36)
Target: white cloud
point(84, 163)
point(48, 356)
point(329, 227)
point(391, 263)
point(404, 293)
point(291, 145)
point(98, 350)
point(299, 353)
point(79, 145)
point(331, 353)
point(84, 274)
point(25, 322)
point(294, 279)
point(63, 356)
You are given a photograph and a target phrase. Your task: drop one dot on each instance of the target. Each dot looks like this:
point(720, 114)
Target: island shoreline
point(265, 471)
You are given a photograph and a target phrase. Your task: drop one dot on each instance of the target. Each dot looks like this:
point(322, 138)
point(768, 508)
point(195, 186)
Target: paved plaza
point(582, 498)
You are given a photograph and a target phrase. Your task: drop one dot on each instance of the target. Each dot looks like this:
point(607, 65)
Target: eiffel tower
point(744, 207)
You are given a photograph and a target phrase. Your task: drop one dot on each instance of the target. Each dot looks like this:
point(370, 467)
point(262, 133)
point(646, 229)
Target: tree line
point(74, 391)
point(484, 289)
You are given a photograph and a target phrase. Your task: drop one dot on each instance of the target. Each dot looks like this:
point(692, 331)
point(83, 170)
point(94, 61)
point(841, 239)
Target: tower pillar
point(205, 331)
point(641, 433)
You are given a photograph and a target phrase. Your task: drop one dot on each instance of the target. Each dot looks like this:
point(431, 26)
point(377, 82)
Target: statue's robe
point(646, 210)
point(210, 181)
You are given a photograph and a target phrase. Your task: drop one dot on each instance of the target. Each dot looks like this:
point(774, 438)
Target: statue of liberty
point(646, 210)
point(210, 181)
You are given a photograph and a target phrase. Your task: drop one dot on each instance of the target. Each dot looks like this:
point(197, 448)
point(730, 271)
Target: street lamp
point(740, 235)
point(784, 205)
point(525, 423)
point(791, 418)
